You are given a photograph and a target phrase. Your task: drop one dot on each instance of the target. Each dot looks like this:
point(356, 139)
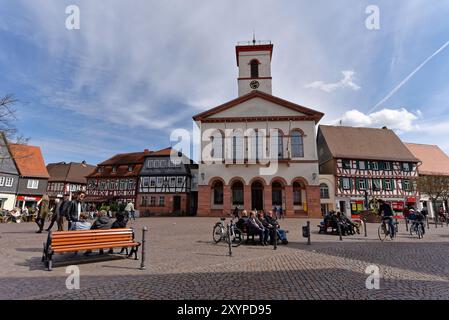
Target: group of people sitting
point(334, 219)
point(264, 225)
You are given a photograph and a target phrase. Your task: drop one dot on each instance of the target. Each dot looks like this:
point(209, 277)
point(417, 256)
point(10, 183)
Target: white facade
point(7, 201)
point(263, 81)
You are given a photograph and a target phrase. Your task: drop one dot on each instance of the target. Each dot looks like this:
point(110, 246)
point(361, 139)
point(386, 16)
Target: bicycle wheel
point(217, 233)
point(382, 232)
point(237, 237)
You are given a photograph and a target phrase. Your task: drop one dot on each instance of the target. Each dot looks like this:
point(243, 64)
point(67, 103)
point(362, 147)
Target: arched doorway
point(257, 195)
point(237, 194)
point(277, 194)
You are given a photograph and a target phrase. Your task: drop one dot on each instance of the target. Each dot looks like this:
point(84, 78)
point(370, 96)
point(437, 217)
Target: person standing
point(76, 207)
point(43, 212)
point(129, 209)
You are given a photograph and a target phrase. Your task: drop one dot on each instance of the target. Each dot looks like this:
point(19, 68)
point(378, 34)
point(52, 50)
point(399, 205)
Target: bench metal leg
point(50, 262)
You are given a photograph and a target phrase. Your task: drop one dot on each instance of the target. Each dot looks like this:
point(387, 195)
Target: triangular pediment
point(258, 104)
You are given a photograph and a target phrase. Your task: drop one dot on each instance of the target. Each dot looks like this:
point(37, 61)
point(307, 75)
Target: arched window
point(276, 193)
point(254, 69)
point(217, 146)
point(297, 194)
point(324, 191)
point(277, 145)
point(218, 192)
point(297, 144)
point(237, 193)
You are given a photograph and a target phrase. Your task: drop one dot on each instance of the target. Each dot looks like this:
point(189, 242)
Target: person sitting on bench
point(255, 226)
point(102, 222)
point(82, 223)
point(272, 221)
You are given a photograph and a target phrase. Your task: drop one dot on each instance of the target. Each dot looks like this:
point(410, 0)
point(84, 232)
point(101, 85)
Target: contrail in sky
point(392, 92)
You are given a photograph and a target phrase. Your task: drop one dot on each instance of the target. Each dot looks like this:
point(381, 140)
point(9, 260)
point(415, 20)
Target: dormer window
point(114, 169)
point(100, 170)
point(254, 68)
point(130, 168)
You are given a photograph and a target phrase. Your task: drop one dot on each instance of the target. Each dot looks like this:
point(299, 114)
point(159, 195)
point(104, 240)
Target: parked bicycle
point(385, 229)
point(220, 233)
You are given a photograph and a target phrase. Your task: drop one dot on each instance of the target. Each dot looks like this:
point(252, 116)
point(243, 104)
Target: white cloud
point(397, 119)
point(346, 82)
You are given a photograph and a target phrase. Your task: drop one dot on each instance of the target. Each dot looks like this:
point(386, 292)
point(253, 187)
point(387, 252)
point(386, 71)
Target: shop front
point(27, 201)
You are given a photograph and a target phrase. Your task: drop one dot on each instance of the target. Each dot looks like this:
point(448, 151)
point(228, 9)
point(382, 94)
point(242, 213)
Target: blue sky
point(136, 70)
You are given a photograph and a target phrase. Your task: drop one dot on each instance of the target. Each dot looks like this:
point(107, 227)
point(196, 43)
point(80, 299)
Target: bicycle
point(417, 228)
point(385, 230)
point(220, 233)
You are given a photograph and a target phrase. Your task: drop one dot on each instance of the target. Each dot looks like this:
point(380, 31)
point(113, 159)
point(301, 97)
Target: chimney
point(146, 151)
point(385, 128)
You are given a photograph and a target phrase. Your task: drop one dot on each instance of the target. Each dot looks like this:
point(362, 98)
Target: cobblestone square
point(183, 263)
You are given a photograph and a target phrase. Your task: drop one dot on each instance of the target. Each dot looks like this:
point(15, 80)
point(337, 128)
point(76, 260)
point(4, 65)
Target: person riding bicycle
point(417, 217)
point(386, 213)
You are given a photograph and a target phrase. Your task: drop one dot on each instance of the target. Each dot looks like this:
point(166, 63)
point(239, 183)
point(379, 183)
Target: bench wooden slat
point(56, 243)
point(102, 245)
point(78, 234)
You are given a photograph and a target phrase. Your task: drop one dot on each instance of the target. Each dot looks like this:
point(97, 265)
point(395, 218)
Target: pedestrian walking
point(44, 209)
point(129, 209)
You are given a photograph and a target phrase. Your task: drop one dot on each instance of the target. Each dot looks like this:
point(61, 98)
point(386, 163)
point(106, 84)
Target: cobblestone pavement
point(183, 263)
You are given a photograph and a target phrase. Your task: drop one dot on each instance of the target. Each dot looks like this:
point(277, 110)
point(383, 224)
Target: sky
point(136, 70)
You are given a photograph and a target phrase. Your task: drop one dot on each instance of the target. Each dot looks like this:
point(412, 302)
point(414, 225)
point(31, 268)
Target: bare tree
point(435, 187)
point(8, 131)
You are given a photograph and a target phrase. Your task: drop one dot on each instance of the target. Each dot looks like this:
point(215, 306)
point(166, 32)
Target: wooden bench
point(74, 241)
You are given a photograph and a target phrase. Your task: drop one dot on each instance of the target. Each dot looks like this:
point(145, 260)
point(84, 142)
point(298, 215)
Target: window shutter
point(392, 184)
point(368, 165)
point(381, 165)
point(357, 183)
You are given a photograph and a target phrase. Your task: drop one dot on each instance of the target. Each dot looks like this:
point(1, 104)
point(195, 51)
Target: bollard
point(427, 221)
point(308, 233)
point(364, 227)
point(142, 262)
point(435, 219)
point(406, 224)
point(229, 240)
point(275, 237)
point(339, 231)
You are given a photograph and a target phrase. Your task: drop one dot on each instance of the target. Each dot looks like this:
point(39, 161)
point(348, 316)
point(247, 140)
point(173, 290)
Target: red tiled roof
point(434, 160)
point(29, 160)
point(126, 158)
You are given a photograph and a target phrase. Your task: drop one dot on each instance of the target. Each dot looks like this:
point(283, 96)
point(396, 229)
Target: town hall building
point(258, 151)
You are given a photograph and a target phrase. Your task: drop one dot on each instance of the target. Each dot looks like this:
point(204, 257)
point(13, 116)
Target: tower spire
point(254, 37)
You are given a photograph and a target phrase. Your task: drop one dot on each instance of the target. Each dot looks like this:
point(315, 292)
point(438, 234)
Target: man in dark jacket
point(75, 207)
point(387, 214)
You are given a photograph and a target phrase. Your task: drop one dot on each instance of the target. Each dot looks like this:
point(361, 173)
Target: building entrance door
point(257, 196)
point(176, 204)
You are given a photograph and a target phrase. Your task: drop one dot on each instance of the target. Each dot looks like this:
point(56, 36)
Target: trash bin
point(305, 232)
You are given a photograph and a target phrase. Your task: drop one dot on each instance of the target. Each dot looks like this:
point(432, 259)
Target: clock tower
point(254, 62)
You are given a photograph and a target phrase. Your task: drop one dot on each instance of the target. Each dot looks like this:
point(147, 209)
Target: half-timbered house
point(367, 163)
point(116, 179)
point(67, 178)
point(165, 184)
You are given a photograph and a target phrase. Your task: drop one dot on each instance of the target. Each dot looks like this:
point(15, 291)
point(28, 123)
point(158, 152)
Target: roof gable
point(29, 160)
point(257, 104)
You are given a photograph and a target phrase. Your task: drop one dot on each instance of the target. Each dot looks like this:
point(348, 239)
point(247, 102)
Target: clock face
point(254, 84)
